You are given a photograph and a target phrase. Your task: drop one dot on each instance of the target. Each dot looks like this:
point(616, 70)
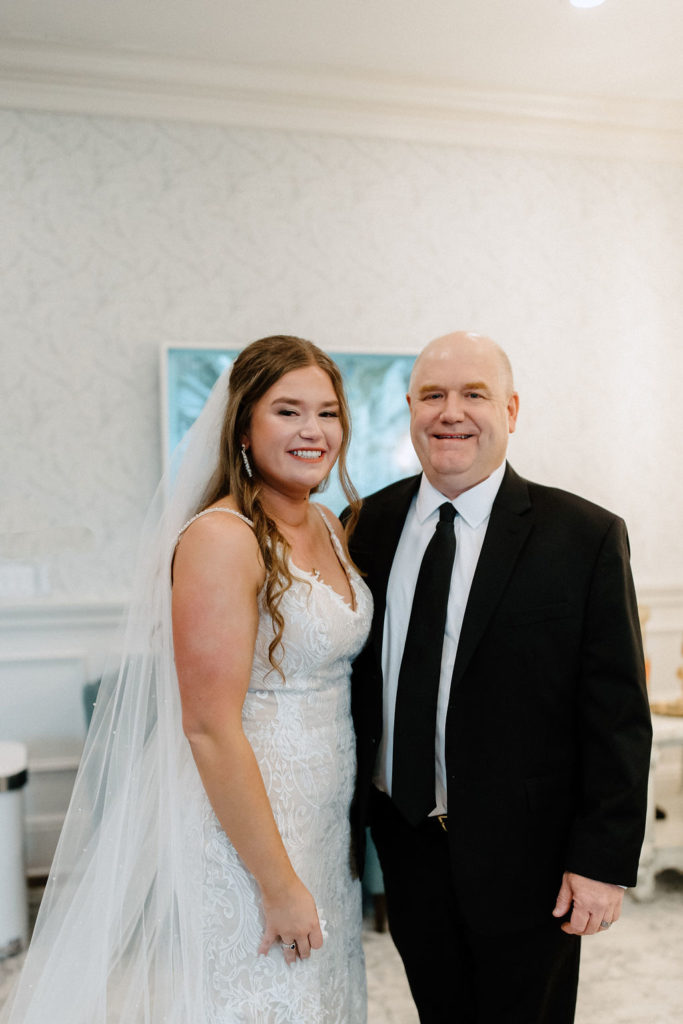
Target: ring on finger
point(605, 924)
point(288, 945)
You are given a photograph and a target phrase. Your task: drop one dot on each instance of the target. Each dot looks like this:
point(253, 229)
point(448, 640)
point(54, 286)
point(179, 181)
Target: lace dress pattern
point(301, 732)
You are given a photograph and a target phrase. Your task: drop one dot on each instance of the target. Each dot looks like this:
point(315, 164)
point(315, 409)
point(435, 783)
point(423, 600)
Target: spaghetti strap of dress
point(336, 543)
point(206, 512)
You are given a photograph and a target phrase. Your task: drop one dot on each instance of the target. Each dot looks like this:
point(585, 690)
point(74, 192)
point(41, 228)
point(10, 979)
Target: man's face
point(462, 409)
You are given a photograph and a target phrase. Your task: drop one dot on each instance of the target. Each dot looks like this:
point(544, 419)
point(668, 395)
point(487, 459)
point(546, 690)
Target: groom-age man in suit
point(502, 722)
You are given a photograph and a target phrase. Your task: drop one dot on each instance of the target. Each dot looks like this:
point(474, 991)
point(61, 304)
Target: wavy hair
point(255, 370)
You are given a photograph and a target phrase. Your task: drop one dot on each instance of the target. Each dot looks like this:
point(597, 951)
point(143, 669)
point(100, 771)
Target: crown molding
point(66, 79)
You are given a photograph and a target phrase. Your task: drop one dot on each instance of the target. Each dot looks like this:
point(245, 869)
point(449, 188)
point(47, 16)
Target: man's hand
point(594, 904)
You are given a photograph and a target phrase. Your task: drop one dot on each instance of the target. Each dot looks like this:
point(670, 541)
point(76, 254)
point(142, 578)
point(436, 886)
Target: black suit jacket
point(548, 731)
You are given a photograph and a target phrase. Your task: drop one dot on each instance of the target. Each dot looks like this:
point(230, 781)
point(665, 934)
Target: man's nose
point(452, 410)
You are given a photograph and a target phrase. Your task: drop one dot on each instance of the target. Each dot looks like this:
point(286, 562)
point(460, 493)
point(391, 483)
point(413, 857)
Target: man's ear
point(513, 411)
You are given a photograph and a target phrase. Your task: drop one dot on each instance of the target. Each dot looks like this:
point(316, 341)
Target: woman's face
point(295, 432)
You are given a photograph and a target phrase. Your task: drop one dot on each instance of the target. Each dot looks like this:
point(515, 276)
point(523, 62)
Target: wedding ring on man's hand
point(288, 945)
point(605, 924)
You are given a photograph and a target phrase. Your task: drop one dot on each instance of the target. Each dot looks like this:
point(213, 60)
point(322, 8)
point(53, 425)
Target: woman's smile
point(308, 453)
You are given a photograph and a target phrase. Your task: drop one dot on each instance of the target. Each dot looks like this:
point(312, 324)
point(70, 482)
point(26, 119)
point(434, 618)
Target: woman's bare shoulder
point(219, 537)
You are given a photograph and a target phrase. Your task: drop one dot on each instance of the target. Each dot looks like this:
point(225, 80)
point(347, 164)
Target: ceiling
point(622, 56)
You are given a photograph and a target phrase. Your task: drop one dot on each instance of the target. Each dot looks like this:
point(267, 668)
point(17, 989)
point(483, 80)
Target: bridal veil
point(118, 935)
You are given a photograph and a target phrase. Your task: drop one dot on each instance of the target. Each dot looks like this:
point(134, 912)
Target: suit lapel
point(510, 524)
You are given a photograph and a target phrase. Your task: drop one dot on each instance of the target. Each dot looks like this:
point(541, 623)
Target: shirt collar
point(474, 505)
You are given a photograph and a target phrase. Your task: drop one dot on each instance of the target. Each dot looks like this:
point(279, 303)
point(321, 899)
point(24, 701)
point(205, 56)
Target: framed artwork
point(376, 384)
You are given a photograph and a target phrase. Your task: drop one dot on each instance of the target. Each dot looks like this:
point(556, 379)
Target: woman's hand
point(291, 917)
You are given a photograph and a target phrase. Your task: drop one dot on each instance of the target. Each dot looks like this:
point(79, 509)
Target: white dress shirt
point(474, 510)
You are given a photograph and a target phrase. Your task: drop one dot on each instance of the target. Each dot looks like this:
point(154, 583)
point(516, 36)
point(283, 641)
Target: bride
point(203, 875)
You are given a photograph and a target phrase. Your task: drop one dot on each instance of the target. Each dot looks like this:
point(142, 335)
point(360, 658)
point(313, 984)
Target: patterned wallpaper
point(119, 236)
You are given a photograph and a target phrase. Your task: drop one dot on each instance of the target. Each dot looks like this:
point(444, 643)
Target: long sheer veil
point(118, 936)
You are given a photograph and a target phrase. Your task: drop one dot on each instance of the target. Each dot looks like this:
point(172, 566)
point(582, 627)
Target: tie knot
point(446, 512)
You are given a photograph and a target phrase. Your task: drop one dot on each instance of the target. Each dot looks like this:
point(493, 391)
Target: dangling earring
point(245, 460)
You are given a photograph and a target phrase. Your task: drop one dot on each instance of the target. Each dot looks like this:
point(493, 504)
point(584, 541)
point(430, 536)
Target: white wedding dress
point(149, 916)
point(302, 735)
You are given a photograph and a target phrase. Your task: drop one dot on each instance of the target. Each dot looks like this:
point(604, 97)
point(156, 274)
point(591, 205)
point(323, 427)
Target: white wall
point(121, 235)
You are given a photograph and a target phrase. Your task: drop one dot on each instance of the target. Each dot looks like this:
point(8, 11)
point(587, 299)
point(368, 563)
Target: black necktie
point(412, 784)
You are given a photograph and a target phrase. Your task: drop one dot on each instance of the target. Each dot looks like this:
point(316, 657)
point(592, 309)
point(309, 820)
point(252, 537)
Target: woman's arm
point(218, 573)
